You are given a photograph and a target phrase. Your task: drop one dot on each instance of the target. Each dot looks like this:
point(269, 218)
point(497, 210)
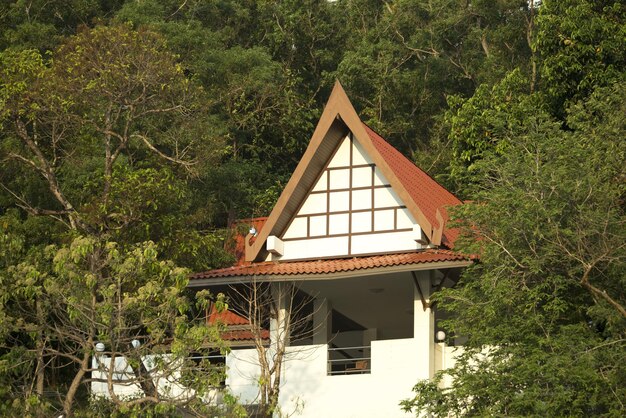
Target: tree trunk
point(40, 373)
point(78, 379)
point(143, 375)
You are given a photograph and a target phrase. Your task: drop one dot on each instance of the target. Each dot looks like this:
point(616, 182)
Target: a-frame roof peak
point(339, 119)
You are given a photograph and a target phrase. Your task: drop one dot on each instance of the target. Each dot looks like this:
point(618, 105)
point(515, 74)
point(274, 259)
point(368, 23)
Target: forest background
point(133, 133)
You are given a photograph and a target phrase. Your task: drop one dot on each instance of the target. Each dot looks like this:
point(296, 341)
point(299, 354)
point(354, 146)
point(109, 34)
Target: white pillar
point(424, 325)
point(279, 325)
point(322, 321)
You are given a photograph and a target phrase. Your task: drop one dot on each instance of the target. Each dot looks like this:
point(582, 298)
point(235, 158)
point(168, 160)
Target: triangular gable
point(352, 210)
point(338, 122)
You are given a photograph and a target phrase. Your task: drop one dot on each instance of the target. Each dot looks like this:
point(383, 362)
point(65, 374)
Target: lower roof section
point(332, 268)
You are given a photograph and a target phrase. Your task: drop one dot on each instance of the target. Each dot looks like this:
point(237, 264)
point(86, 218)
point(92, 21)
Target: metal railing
point(349, 360)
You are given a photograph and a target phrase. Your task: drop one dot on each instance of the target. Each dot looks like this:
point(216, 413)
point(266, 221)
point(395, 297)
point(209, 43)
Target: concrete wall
point(445, 358)
point(123, 378)
point(396, 365)
point(307, 389)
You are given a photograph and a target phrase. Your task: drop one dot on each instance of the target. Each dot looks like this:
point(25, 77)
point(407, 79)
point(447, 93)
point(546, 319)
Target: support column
point(279, 325)
point(424, 323)
point(322, 321)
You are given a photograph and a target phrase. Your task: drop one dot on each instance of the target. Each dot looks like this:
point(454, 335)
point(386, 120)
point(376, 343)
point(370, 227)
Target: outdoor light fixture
point(135, 344)
point(253, 231)
point(100, 347)
point(441, 336)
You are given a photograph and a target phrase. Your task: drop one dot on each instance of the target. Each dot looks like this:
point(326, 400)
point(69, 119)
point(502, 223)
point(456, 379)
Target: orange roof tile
point(423, 189)
point(243, 335)
point(237, 327)
point(327, 266)
point(226, 317)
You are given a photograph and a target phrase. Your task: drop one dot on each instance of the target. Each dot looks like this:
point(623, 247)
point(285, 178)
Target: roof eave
point(266, 278)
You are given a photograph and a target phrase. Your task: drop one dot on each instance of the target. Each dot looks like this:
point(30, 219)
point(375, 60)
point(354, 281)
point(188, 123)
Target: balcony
point(349, 360)
point(328, 381)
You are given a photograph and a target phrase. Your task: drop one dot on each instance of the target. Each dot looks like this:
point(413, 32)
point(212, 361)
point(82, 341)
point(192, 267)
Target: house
point(359, 238)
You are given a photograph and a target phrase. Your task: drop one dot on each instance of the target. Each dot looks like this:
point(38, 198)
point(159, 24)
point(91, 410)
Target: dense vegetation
point(133, 132)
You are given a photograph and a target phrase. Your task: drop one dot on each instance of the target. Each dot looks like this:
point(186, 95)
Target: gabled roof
point(225, 317)
point(423, 196)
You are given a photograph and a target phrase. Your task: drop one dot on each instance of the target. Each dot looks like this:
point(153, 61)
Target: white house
point(359, 234)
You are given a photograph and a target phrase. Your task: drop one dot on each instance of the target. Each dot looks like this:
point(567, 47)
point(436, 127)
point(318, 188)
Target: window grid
point(350, 211)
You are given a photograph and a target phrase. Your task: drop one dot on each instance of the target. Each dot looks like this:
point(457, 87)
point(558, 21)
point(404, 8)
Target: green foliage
point(487, 123)
point(257, 98)
point(91, 291)
point(86, 133)
point(94, 127)
point(582, 46)
point(543, 310)
point(19, 70)
point(409, 55)
point(40, 24)
point(206, 107)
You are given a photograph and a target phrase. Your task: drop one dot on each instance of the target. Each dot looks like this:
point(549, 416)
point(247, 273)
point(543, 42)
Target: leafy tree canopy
point(544, 309)
point(127, 122)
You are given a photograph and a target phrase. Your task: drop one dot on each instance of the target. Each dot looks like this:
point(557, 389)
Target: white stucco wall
point(307, 390)
point(396, 365)
point(123, 377)
point(445, 358)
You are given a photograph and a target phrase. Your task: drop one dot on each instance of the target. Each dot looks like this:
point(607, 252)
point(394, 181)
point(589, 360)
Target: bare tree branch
point(147, 142)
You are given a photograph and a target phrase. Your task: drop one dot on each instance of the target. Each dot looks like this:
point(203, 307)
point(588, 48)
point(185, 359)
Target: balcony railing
point(349, 360)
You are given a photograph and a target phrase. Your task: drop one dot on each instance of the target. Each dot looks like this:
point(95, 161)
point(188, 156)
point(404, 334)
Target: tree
point(544, 310)
point(73, 297)
point(237, 51)
point(581, 47)
point(485, 123)
point(409, 55)
point(92, 130)
point(97, 140)
point(41, 24)
point(278, 315)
